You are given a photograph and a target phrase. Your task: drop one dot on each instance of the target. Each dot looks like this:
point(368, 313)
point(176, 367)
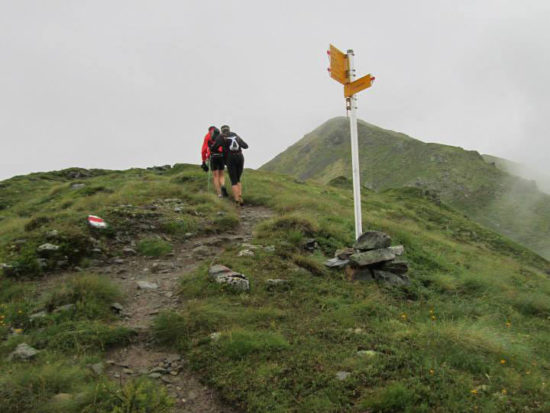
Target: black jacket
point(224, 142)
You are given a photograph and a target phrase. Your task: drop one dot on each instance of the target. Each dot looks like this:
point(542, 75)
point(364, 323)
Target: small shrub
point(154, 247)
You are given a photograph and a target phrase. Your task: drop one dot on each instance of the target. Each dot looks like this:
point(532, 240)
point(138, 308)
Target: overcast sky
point(116, 84)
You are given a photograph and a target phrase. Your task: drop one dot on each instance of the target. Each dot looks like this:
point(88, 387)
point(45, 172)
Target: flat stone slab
point(390, 278)
point(336, 263)
point(146, 285)
point(397, 249)
point(363, 259)
point(47, 247)
point(344, 253)
point(397, 266)
point(23, 352)
point(372, 240)
point(342, 375)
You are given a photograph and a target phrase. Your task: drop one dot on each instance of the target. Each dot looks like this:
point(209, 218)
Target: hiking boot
point(224, 192)
point(240, 201)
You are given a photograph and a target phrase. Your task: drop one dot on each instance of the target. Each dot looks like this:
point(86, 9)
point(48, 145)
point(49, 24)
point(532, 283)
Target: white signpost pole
point(355, 151)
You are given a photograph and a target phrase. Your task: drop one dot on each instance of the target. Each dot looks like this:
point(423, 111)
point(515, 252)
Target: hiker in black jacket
point(234, 159)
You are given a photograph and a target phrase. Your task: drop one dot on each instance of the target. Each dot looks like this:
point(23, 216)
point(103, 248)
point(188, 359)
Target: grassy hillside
point(469, 334)
point(510, 205)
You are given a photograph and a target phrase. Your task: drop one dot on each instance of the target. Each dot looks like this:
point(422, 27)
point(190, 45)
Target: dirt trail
point(142, 305)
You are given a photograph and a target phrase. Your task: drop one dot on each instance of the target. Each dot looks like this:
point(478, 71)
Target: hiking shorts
point(235, 166)
point(216, 163)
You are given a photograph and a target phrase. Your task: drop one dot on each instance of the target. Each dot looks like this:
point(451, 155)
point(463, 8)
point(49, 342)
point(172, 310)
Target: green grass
point(468, 334)
point(154, 247)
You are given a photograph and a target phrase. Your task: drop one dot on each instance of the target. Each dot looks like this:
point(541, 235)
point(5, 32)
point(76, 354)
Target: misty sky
point(116, 84)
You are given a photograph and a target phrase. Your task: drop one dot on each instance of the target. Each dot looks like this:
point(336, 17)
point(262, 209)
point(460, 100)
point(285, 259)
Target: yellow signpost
point(358, 85)
point(338, 65)
point(343, 71)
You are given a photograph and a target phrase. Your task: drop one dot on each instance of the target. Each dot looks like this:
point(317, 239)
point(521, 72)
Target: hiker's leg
point(216, 178)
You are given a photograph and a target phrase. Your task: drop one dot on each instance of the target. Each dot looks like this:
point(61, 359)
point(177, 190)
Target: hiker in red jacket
point(217, 163)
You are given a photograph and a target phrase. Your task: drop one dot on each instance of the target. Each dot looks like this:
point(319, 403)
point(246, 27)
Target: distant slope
point(510, 205)
point(526, 172)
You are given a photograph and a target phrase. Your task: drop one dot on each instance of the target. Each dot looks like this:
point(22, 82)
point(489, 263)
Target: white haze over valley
point(136, 83)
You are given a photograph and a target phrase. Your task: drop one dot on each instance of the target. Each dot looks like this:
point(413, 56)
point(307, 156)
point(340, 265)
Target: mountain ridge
point(506, 203)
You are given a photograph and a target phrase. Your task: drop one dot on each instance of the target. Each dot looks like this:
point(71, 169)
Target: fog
point(137, 83)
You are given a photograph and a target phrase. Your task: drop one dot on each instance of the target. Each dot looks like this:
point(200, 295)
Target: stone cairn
point(373, 259)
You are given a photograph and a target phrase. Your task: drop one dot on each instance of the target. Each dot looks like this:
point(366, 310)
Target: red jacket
point(205, 152)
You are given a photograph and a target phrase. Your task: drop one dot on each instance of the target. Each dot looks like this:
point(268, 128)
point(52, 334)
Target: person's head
point(225, 129)
point(213, 131)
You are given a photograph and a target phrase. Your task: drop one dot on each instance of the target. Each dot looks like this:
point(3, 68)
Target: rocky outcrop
point(373, 259)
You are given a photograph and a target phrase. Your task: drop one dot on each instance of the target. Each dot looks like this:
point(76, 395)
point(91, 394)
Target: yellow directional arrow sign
point(338, 65)
point(358, 85)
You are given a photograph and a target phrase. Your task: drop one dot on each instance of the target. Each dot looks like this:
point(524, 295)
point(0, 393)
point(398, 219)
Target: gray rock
point(310, 244)
point(217, 270)
point(344, 253)
point(160, 370)
point(166, 379)
point(62, 308)
point(178, 209)
point(172, 358)
point(390, 278)
point(396, 266)
point(98, 368)
point(7, 270)
point(118, 261)
point(367, 353)
point(362, 259)
point(42, 262)
point(249, 246)
point(235, 281)
point(128, 371)
point(246, 253)
point(47, 247)
point(215, 336)
point(278, 284)
point(397, 250)
point(37, 316)
point(52, 234)
point(372, 240)
point(23, 352)
point(146, 285)
point(129, 251)
point(155, 375)
point(363, 274)
point(342, 375)
point(62, 397)
point(117, 307)
point(336, 263)
point(269, 248)
point(201, 251)
point(77, 186)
